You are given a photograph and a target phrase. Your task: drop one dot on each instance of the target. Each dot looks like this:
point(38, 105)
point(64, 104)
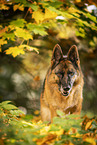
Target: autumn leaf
point(19, 32)
point(39, 16)
point(36, 112)
point(88, 125)
point(20, 7)
point(3, 7)
point(10, 36)
point(2, 41)
point(50, 14)
point(15, 51)
point(47, 140)
point(90, 140)
point(2, 31)
point(29, 48)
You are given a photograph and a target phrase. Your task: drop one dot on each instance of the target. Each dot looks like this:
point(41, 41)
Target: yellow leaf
point(44, 130)
point(49, 14)
point(78, 1)
point(47, 140)
point(2, 42)
point(36, 112)
point(3, 7)
point(0, 50)
point(29, 48)
point(15, 51)
point(59, 132)
point(72, 10)
point(20, 7)
point(88, 125)
point(23, 33)
point(15, 7)
point(90, 140)
point(2, 31)
point(39, 16)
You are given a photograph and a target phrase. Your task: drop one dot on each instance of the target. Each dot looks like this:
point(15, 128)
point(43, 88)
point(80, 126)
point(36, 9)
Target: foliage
point(43, 14)
point(17, 129)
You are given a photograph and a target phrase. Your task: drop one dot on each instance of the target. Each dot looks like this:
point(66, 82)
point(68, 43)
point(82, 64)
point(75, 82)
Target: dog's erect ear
point(73, 56)
point(57, 55)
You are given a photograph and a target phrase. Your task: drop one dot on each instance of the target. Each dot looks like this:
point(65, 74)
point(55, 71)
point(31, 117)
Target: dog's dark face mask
point(65, 68)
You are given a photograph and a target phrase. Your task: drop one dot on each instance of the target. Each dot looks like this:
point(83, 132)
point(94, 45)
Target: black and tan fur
point(63, 85)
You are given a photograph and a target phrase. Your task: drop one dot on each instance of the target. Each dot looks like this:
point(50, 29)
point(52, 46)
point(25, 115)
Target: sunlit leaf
point(88, 125)
point(36, 112)
point(2, 42)
point(39, 16)
point(80, 34)
point(9, 107)
point(90, 140)
point(50, 14)
point(16, 112)
point(19, 32)
point(93, 18)
point(3, 31)
point(15, 51)
point(5, 103)
point(3, 7)
point(29, 48)
point(18, 6)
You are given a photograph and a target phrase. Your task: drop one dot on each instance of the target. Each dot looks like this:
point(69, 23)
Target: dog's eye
point(70, 73)
point(59, 74)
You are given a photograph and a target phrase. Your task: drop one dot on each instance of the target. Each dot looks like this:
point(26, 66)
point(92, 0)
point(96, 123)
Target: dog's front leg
point(53, 110)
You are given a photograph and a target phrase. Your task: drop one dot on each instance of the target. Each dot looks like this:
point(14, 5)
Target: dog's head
point(66, 68)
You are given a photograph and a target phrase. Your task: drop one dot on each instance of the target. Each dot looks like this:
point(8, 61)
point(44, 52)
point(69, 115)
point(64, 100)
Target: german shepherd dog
point(63, 85)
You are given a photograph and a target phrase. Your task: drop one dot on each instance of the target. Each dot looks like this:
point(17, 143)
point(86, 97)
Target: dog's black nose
point(66, 88)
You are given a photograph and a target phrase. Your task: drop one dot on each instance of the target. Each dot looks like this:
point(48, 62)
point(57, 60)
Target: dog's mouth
point(65, 93)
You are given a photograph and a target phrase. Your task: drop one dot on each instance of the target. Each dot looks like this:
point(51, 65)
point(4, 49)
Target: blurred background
point(21, 77)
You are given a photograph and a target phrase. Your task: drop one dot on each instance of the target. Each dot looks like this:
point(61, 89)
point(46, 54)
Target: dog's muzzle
point(65, 90)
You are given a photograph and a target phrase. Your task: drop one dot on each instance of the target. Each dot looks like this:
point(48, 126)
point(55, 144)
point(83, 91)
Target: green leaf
point(56, 4)
point(32, 6)
point(5, 103)
point(53, 9)
point(20, 1)
point(16, 112)
point(9, 107)
point(10, 36)
point(93, 18)
point(60, 113)
point(37, 29)
point(18, 23)
point(54, 128)
point(80, 34)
